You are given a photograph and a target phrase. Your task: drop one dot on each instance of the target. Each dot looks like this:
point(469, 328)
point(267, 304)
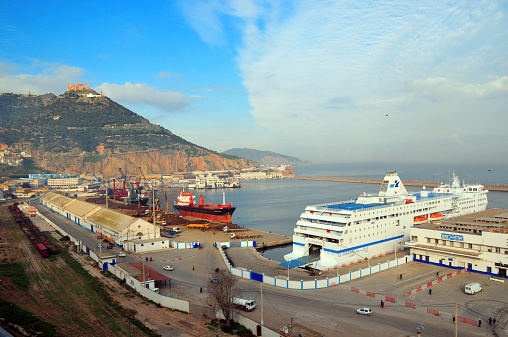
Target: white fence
point(311, 284)
point(162, 300)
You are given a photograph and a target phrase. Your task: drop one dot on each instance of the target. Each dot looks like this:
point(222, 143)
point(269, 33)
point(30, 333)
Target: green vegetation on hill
point(81, 133)
point(71, 121)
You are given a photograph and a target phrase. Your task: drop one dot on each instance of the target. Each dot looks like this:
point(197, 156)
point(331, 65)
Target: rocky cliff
point(81, 131)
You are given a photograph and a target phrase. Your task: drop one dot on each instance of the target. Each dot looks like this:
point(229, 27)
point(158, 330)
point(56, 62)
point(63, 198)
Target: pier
point(490, 187)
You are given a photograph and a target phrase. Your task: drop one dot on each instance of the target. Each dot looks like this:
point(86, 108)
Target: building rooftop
point(492, 220)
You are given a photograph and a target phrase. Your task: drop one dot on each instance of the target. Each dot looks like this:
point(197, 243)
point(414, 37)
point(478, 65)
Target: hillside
point(266, 157)
point(82, 131)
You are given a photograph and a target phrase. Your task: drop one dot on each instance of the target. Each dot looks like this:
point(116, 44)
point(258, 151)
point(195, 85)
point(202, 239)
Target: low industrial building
point(115, 227)
point(477, 242)
point(64, 182)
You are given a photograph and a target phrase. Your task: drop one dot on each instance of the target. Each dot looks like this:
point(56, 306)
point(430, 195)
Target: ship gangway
point(301, 261)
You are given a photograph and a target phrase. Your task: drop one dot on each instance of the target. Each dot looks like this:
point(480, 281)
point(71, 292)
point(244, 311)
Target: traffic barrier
point(432, 311)
point(411, 305)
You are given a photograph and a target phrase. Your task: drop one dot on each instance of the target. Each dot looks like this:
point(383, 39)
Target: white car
point(167, 268)
point(156, 290)
point(364, 311)
point(121, 254)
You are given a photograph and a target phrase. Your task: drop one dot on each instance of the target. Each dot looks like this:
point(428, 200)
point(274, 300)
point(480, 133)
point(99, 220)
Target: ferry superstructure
point(340, 233)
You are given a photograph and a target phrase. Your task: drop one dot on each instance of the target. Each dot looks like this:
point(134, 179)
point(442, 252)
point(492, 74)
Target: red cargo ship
point(184, 204)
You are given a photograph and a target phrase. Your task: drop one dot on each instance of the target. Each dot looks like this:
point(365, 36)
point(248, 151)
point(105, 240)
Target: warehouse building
point(477, 242)
point(115, 227)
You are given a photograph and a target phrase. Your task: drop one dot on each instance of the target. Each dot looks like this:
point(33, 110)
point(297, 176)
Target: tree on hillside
point(221, 290)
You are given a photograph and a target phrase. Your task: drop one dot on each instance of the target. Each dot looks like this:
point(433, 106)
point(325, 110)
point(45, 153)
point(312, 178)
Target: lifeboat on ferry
point(408, 201)
point(436, 216)
point(420, 219)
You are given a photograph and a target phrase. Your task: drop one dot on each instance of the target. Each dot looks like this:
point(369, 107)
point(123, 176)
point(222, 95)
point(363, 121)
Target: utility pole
point(262, 323)
point(153, 207)
point(455, 319)
point(106, 194)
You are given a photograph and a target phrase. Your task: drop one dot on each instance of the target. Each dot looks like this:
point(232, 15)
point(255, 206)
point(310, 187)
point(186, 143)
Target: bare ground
point(60, 296)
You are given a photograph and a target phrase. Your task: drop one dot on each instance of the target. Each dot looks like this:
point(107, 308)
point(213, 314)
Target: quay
point(490, 187)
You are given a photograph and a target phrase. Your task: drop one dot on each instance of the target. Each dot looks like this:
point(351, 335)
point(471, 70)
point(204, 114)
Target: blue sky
point(326, 81)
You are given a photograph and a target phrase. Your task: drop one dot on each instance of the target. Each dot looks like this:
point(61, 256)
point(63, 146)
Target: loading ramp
point(301, 261)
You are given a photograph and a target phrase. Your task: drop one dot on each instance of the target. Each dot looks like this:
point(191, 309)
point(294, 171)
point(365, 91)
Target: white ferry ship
point(341, 233)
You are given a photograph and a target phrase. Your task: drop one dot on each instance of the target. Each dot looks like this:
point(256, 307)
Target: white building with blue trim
point(477, 242)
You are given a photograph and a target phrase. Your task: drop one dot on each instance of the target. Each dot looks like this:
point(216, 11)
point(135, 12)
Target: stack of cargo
point(41, 244)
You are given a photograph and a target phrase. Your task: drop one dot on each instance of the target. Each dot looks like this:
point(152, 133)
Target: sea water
point(275, 205)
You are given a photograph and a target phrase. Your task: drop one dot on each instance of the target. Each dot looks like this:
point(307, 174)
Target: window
point(489, 269)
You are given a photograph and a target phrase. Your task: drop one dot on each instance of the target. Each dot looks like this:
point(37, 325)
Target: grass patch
point(17, 273)
point(16, 315)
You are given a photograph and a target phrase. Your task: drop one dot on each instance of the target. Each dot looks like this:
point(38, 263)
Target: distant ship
point(340, 233)
point(184, 204)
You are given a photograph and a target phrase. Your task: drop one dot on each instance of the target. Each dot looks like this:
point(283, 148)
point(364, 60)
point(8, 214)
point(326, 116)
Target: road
point(331, 312)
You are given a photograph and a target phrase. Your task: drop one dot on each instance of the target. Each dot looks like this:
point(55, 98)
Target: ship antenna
point(223, 197)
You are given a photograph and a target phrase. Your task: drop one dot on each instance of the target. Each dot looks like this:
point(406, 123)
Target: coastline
point(490, 187)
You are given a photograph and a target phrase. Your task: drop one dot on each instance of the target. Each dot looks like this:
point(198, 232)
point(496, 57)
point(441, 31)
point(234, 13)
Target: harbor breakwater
point(491, 187)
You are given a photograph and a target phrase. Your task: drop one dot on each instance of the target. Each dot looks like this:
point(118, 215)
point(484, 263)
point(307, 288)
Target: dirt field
point(76, 303)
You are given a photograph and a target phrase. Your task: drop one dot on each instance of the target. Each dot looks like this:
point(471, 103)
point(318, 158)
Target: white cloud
point(53, 79)
point(165, 74)
point(440, 86)
point(137, 93)
point(325, 73)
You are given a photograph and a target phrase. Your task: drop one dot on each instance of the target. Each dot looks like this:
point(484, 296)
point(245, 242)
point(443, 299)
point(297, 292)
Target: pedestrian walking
point(146, 259)
point(437, 274)
point(201, 290)
point(479, 322)
point(192, 267)
point(430, 291)
point(382, 304)
point(494, 322)
point(453, 319)
point(400, 276)
point(150, 259)
point(490, 320)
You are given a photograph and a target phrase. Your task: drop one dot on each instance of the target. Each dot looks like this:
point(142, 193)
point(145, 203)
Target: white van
point(473, 288)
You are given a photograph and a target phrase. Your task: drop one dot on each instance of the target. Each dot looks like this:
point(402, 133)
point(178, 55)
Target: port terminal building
point(112, 226)
point(477, 242)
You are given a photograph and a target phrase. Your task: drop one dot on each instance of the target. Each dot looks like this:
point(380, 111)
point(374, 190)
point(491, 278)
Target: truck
point(246, 305)
point(473, 288)
point(197, 225)
point(244, 236)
